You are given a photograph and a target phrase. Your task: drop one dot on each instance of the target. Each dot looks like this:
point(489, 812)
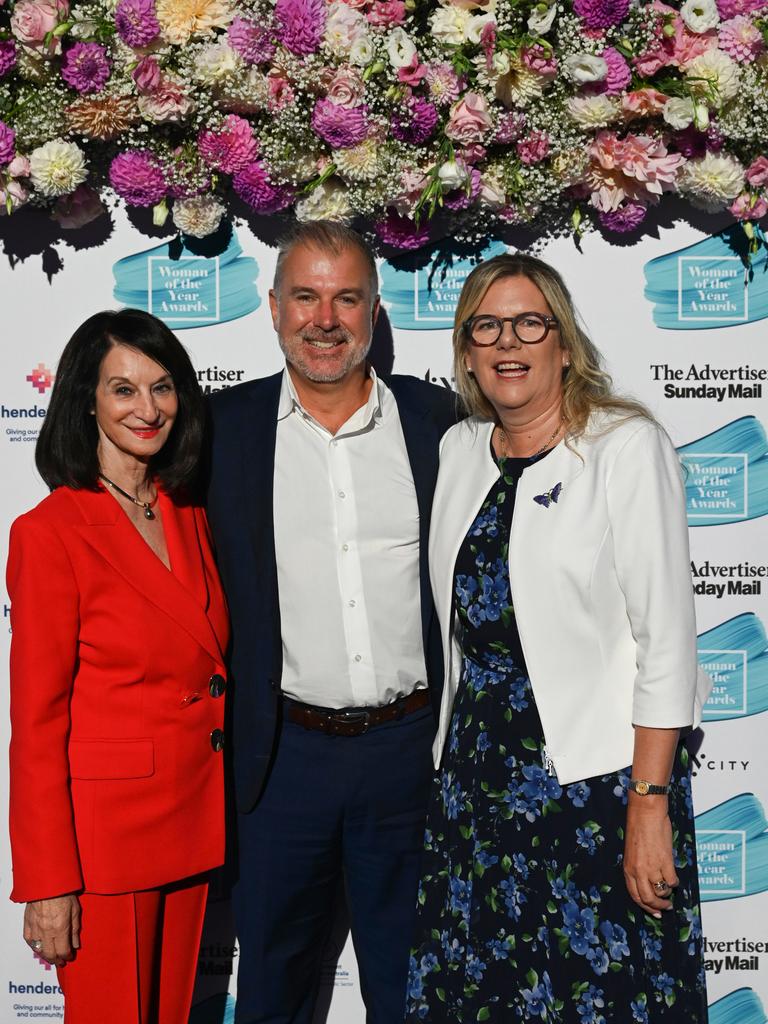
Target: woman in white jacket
point(559, 880)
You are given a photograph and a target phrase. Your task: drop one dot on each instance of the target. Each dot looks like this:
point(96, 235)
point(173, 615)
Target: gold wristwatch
point(643, 788)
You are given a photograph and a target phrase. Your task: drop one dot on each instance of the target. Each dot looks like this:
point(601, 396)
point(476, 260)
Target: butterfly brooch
point(549, 496)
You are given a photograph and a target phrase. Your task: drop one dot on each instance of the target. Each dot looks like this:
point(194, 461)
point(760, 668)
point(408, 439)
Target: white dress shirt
point(347, 546)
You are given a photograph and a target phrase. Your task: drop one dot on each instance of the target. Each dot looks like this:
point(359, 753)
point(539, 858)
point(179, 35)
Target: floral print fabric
point(523, 914)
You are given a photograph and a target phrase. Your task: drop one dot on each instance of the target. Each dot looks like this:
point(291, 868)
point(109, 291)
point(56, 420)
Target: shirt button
point(217, 740)
point(352, 603)
point(358, 657)
point(342, 494)
point(345, 547)
point(217, 684)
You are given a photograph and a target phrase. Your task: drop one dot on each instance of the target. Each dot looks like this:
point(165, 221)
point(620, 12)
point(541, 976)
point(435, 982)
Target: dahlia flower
point(300, 24)
point(251, 41)
point(230, 148)
point(712, 181)
point(136, 22)
point(137, 176)
point(252, 183)
point(637, 168)
point(86, 67)
point(57, 167)
point(339, 126)
point(199, 216)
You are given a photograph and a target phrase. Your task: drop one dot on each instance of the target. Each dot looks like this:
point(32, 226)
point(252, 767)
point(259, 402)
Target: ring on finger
point(661, 887)
point(36, 944)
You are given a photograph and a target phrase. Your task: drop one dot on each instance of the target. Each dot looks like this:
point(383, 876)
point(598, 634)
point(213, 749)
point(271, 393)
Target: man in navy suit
point(320, 499)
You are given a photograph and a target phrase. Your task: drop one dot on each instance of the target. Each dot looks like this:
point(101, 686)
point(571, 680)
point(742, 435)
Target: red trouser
point(137, 958)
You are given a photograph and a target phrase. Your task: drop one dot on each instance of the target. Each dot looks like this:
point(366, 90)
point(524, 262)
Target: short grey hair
point(328, 236)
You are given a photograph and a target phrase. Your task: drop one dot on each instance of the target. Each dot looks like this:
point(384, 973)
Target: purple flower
point(339, 126)
point(730, 8)
point(619, 73)
point(136, 23)
point(253, 42)
point(626, 218)
point(461, 198)
point(415, 121)
point(86, 67)
point(7, 56)
point(601, 13)
point(534, 147)
point(300, 24)
point(7, 144)
point(137, 177)
point(510, 127)
point(401, 233)
point(690, 142)
point(253, 186)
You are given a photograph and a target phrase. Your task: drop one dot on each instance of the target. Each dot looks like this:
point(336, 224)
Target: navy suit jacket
point(240, 510)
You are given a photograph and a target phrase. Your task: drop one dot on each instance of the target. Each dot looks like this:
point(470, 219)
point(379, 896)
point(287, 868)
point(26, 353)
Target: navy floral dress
point(523, 914)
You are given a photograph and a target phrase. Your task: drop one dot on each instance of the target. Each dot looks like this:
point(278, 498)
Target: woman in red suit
point(117, 680)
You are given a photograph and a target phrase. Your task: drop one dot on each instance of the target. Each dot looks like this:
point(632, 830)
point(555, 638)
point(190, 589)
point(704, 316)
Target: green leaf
point(529, 744)
point(440, 993)
point(483, 1013)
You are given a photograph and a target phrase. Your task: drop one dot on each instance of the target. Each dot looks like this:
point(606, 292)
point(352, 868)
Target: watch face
point(641, 788)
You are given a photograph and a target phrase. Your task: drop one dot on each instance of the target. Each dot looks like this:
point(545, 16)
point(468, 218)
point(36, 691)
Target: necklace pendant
point(148, 513)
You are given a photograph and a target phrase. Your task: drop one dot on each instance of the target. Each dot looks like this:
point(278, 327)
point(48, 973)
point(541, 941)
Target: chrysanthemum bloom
point(7, 56)
point(300, 24)
point(136, 22)
point(601, 13)
point(402, 233)
point(443, 84)
point(593, 111)
point(643, 103)
point(199, 216)
point(138, 177)
point(230, 148)
point(104, 117)
point(713, 181)
point(358, 163)
point(253, 42)
point(519, 86)
point(7, 144)
point(340, 127)
point(57, 167)
point(619, 73)
point(254, 187)
point(741, 39)
point(626, 218)
point(534, 148)
point(714, 77)
point(637, 168)
point(182, 19)
point(329, 201)
point(415, 121)
point(86, 67)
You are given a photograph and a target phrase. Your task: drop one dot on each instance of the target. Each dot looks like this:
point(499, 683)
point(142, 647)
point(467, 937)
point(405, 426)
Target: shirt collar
point(289, 401)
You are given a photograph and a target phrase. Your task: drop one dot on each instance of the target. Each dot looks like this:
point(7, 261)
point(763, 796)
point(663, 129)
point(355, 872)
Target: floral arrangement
point(416, 117)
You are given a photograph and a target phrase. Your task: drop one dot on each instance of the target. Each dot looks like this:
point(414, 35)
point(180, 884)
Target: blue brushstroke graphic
point(219, 1009)
point(732, 849)
point(422, 296)
point(742, 1006)
point(708, 284)
point(727, 474)
point(186, 285)
point(735, 657)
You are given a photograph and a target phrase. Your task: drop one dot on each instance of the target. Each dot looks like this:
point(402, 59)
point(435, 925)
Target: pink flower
point(12, 193)
point(340, 127)
point(387, 13)
point(757, 172)
point(534, 148)
point(443, 84)
point(540, 59)
point(300, 24)
point(636, 169)
point(253, 185)
point(147, 75)
point(402, 233)
point(253, 42)
point(473, 154)
point(741, 39)
point(231, 148)
point(488, 42)
point(748, 207)
point(619, 74)
point(601, 13)
point(626, 218)
point(136, 22)
point(136, 175)
point(469, 120)
point(168, 103)
point(280, 92)
point(32, 20)
point(412, 73)
point(7, 143)
point(86, 67)
point(78, 208)
point(7, 56)
point(643, 103)
point(346, 88)
point(510, 127)
point(730, 8)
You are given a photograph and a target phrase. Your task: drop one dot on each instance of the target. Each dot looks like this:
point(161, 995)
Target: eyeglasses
point(529, 328)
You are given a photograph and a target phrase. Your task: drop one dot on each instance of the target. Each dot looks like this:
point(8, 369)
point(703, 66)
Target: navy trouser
point(334, 808)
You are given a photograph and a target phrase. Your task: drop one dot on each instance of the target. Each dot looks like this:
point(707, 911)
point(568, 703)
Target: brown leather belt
point(353, 721)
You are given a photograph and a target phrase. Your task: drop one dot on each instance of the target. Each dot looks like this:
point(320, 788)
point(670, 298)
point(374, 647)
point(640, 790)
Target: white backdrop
point(680, 329)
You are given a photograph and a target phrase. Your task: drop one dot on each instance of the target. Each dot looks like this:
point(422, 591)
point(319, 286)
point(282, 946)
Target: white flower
point(326, 202)
point(199, 216)
point(57, 167)
point(584, 67)
point(450, 25)
point(593, 111)
point(519, 86)
point(541, 19)
point(452, 175)
point(400, 48)
point(358, 163)
point(492, 190)
point(476, 25)
point(361, 51)
point(678, 112)
point(712, 181)
point(215, 63)
point(714, 77)
point(343, 28)
point(700, 15)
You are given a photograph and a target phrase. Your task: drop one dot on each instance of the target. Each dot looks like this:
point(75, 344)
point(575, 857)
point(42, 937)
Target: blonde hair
point(587, 387)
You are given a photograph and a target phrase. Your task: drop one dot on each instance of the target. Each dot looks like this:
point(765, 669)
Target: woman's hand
point(52, 928)
point(648, 854)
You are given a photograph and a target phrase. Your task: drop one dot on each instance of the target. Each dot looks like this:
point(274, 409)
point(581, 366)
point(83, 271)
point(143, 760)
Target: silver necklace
point(547, 443)
point(146, 505)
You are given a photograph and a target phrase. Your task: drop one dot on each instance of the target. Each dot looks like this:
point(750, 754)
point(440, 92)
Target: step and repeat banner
point(680, 320)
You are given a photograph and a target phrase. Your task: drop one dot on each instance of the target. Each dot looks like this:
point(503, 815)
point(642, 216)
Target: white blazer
point(600, 582)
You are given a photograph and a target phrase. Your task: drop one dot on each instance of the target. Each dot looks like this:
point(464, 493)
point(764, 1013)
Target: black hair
point(66, 452)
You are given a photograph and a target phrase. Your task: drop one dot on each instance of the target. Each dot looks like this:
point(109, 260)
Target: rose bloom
point(757, 172)
point(346, 88)
point(469, 119)
point(387, 13)
point(168, 103)
point(32, 20)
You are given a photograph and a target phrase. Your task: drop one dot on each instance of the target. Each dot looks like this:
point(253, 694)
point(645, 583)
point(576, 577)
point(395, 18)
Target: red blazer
point(115, 785)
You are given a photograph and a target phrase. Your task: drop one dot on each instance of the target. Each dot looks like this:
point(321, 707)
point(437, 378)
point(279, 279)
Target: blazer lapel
point(109, 531)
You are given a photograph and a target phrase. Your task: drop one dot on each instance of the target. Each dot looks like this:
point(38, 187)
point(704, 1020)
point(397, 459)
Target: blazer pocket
point(111, 759)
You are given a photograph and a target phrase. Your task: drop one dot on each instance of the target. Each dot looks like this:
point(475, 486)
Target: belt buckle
point(363, 717)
